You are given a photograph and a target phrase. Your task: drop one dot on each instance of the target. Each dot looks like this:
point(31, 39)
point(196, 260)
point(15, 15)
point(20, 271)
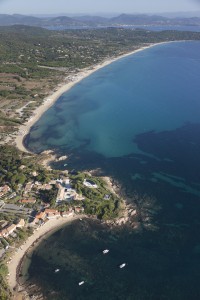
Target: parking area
point(12, 208)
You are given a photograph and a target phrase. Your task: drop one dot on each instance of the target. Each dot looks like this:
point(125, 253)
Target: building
point(26, 201)
point(55, 215)
point(28, 187)
point(79, 209)
point(4, 190)
point(40, 216)
point(68, 213)
point(45, 186)
point(9, 229)
point(52, 213)
point(107, 197)
point(65, 193)
point(90, 183)
point(21, 223)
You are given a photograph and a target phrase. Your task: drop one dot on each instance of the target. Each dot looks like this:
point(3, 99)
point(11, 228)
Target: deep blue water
point(137, 120)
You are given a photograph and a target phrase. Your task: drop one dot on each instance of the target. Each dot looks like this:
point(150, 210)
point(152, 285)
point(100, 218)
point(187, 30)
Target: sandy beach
point(52, 225)
point(51, 99)
point(48, 228)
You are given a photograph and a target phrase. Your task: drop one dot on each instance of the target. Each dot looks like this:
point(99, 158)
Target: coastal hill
point(95, 21)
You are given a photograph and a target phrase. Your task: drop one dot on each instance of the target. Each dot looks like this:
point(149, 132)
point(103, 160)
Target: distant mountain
point(6, 20)
point(18, 19)
point(63, 20)
point(82, 21)
point(92, 19)
point(137, 19)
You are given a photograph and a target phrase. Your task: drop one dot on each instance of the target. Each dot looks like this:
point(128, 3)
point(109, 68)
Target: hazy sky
point(95, 6)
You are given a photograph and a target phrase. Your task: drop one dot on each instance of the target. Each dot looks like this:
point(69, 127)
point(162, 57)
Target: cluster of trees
point(94, 203)
point(49, 196)
point(16, 168)
point(24, 48)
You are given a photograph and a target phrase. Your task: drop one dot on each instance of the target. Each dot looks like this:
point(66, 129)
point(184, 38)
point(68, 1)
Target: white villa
point(65, 191)
point(90, 184)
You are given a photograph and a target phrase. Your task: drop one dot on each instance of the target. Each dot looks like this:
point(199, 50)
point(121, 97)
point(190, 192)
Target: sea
point(138, 121)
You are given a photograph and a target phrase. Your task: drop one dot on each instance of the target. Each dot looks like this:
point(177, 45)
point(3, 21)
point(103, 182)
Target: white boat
point(57, 270)
point(81, 282)
point(122, 265)
point(105, 251)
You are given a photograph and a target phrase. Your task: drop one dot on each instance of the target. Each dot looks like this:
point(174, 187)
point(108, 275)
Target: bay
point(137, 120)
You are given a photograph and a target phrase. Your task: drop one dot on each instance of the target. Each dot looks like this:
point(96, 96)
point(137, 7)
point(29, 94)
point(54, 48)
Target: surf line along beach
point(52, 98)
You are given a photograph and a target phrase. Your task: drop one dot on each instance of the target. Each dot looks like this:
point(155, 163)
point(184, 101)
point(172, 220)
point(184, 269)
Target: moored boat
point(105, 251)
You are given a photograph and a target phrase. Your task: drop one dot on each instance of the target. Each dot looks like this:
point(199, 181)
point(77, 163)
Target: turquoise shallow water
point(137, 120)
point(152, 90)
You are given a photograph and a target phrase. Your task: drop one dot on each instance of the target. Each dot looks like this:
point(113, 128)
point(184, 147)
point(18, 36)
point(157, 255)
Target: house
point(68, 213)
point(5, 232)
point(3, 224)
point(45, 186)
point(52, 213)
point(90, 183)
point(50, 210)
point(65, 182)
point(21, 223)
point(9, 229)
point(40, 216)
point(106, 197)
point(26, 201)
point(28, 187)
point(79, 209)
point(4, 190)
point(55, 215)
point(65, 193)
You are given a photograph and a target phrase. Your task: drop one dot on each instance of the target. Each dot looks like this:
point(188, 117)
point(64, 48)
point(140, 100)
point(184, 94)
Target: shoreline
point(52, 98)
point(18, 257)
point(53, 225)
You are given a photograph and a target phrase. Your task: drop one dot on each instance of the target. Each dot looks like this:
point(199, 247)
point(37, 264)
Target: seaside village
point(35, 203)
point(27, 213)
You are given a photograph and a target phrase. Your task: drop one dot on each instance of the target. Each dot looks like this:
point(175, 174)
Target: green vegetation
point(95, 202)
point(17, 168)
point(5, 121)
point(4, 290)
point(33, 60)
point(49, 196)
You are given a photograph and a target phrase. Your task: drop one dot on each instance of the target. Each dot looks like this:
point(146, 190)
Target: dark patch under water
point(161, 264)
